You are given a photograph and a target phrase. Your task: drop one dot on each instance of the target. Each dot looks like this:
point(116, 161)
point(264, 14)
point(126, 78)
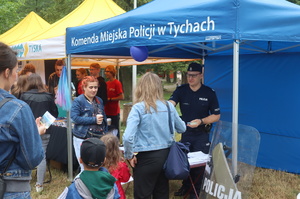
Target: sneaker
point(39, 188)
point(181, 192)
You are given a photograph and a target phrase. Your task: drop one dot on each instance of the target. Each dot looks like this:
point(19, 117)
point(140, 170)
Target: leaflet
point(47, 119)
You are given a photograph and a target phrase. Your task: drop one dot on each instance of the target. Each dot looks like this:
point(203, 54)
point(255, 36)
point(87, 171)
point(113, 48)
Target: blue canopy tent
point(246, 40)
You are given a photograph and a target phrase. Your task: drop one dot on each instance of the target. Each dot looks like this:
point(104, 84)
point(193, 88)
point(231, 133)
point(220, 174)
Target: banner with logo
point(52, 48)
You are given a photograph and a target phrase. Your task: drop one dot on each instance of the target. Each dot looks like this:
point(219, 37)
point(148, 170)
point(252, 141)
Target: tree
point(51, 11)
point(127, 5)
point(12, 12)
point(295, 1)
point(9, 15)
point(173, 67)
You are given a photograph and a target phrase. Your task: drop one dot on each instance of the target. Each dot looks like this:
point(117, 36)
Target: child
point(114, 161)
point(94, 181)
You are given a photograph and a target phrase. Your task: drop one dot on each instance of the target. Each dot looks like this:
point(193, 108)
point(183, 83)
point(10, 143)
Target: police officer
point(200, 108)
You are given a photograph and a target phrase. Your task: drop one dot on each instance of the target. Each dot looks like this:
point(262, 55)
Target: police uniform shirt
point(196, 104)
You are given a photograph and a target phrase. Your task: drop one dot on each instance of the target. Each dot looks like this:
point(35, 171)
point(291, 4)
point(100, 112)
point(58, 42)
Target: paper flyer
point(47, 119)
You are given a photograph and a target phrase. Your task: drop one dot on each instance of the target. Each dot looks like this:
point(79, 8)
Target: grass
point(266, 183)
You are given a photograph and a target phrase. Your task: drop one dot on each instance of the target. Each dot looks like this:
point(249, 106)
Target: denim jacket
point(82, 115)
point(19, 135)
point(150, 131)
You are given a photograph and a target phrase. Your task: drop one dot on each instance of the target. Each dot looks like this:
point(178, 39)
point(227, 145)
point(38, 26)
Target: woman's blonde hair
point(113, 153)
point(148, 90)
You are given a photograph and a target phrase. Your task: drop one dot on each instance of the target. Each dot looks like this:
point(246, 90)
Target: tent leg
point(134, 72)
point(235, 105)
point(69, 126)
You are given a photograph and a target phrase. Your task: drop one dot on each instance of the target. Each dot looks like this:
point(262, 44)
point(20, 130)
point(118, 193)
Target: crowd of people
point(103, 166)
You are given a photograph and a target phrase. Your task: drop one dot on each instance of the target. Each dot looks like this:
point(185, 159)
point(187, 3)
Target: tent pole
point(134, 71)
point(235, 105)
point(134, 4)
point(69, 125)
point(134, 67)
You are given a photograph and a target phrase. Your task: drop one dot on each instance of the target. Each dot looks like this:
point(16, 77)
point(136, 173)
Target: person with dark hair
point(40, 101)
point(200, 108)
point(114, 95)
point(20, 141)
point(54, 77)
point(88, 114)
point(102, 90)
point(147, 138)
point(94, 181)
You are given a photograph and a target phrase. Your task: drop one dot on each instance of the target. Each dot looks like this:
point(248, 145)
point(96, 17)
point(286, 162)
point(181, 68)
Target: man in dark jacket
point(54, 77)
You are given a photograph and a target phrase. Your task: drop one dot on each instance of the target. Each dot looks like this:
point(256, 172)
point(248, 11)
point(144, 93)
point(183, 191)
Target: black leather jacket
point(40, 102)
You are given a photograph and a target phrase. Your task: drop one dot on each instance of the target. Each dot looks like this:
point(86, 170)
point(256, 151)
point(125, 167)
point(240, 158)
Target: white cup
point(98, 117)
point(108, 121)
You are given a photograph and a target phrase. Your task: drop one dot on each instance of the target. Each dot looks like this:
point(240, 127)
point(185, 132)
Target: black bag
point(177, 166)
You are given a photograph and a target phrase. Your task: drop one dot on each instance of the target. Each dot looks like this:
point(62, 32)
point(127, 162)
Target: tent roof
point(87, 12)
point(209, 26)
point(26, 27)
point(50, 43)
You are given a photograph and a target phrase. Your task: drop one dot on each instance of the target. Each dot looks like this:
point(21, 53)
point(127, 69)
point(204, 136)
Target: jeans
point(77, 143)
point(41, 168)
point(17, 195)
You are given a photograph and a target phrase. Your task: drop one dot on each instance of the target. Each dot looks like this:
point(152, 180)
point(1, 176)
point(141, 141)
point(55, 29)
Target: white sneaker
point(39, 188)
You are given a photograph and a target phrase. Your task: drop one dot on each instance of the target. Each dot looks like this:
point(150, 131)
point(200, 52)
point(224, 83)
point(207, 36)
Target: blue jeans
point(17, 195)
point(77, 143)
point(41, 168)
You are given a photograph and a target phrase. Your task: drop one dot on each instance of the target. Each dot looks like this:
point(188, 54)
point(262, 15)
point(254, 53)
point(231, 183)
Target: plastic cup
point(99, 116)
point(108, 121)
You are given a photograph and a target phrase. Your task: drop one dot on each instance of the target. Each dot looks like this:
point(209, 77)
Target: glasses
point(192, 75)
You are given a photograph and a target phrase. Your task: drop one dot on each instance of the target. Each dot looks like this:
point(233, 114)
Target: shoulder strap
point(4, 101)
point(9, 163)
point(169, 114)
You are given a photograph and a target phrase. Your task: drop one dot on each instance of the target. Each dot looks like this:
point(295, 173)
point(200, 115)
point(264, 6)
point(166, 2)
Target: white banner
point(52, 48)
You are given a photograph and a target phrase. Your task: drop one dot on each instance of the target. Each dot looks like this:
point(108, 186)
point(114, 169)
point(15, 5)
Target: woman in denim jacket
point(84, 111)
point(19, 134)
point(148, 134)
